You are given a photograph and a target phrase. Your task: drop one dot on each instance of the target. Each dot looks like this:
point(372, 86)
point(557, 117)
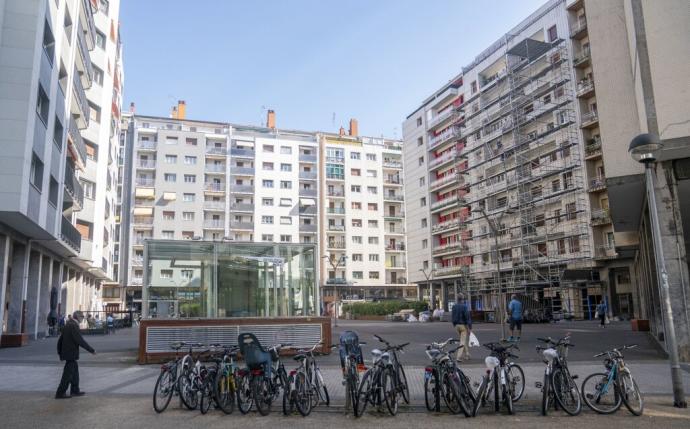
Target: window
point(267, 237)
point(558, 93)
point(286, 202)
point(473, 86)
point(285, 220)
point(355, 155)
point(374, 240)
point(556, 185)
point(561, 247)
point(425, 265)
point(571, 211)
point(286, 150)
point(100, 39)
point(104, 6)
point(425, 243)
point(371, 157)
point(372, 190)
point(190, 178)
point(355, 172)
point(187, 215)
point(48, 42)
point(187, 274)
point(170, 177)
point(420, 141)
point(267, 201)
point(285, 184)
point(422, 181)
point(68, 24)
point(421, 161)
point(419, 121)
point(539, 220)
point(373, 274)
point(98, 76)
point(356, 205)
point(268, 220)
point(371, 173)
point(190, 160)
point(557, 215)
point(268, 148)
point(357, 275)
point(267, 183)
point(552, 33)
point(285, 167)
point(53, 192)
point(42, 105)
point(357, 239)
point(167, 235)
point(36, 176)
point(166, 274)
point(373, 223)
point(89, 188)
point(94, 113)
point(372, 206)
point(357, 223)
point(268, 166)
point(171, 159)
point(567, 180)
point(373, 257)
point(168, 215)
point(355, 188)
point(58, 133)
point(357, 257)
point(424, 223)
point(574, 244)
point(188, 198)
point(422, 201)
point(285, 238)
point(190, 141)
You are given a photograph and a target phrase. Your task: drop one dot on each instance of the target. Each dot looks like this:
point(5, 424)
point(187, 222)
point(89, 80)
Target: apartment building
point(362, 212)
point(47, 47)
point(507, 192)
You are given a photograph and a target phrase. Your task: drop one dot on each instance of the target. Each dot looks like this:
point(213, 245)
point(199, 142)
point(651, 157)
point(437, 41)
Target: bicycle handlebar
point(616, 350)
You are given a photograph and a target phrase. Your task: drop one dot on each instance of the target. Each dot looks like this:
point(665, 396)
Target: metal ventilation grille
point(159, 338)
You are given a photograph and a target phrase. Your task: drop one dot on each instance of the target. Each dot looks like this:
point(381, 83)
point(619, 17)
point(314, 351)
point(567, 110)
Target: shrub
point(383, 308)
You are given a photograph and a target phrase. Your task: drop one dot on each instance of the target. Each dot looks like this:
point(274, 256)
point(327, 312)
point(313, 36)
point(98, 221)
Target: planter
point(641, 325)
point(14, 340)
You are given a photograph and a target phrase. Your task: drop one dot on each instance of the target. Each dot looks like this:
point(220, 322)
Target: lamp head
point(645, 148)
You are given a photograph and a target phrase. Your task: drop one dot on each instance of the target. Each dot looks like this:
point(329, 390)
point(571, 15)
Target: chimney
point(354, 127)
point(131, 107)
point(341, 132)
point(271, 119)
point(173, 114)
point(181, 109)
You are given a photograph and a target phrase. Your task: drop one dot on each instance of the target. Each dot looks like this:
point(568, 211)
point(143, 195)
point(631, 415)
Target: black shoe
point(78, 393)
point(62, 396)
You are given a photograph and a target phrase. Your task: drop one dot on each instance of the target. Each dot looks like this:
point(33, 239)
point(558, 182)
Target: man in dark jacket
point(462, 320)
point(68, 349)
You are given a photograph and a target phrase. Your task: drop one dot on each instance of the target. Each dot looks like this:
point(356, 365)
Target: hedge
point(383, 308)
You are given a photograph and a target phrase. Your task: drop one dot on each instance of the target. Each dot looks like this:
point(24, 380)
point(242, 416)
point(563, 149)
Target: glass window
point(285, 220)
point(268, 148)
point(267, 183)
point(170, 159)
point(100, 39)
point(373, 274)
point(285, 184)
point(187, 215)
point(190, 178)
point(168, 215)
point(285, 167)
point(285, 238)
point(286, 150)
point(267, 201)
point(170, 177)
point(267, 237)
point(286, 202)
point(188, 198)
point(373, 257)
point(36, 176)
point(190, 160)
point(371, 157)
point(373, 240)
point(268, 166)
point(357, 239)
point(267, 220)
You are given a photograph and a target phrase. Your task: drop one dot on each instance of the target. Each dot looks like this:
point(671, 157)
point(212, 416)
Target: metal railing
point(578, 27)
point(398, 247)
point(443, 158)
point(218, 187)
point(241, 225)
point(142, 181)
point(307, 192)
point(591, 116)
point(337, 228)
point(453, 269)
point(142, 220)
point(146, 145)
point(242, 207)
point(242, 171)
point(335, 210)
point(213, 168)
point(447, 113)
point(70, 235)
point(77, 139)
point(593, 148)
point(73, 187)
point(307, 228)
point(398, 214)
point(393, 197)
point(335, 176)
point(214, 205)
point(307, 158)
point(80, 97)
point(398, 230)
point(600, 216)
point(212, 150)
point(309, 175)
point(581, 57)
point(86, 57)
point(335, 193)
point(393, 181)
point(443, 137)
point(446, 202)
point(336, 159)
point(336, 245)
point(597, 183)
point(449, 178)
point(214, 223)
point(392, 164)
point(146, 163)
point(249, 153)
point(584, 86)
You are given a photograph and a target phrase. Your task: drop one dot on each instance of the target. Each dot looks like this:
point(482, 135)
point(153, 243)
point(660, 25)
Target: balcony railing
point(307, 158)
point(146, 182)
point(241, 153)
point(214, 205)
point(70, 235)
point(335, 194)
point(593, 148)
point(242, 207)
point(443, 226)
point(81, 102)
point(336, 228)
point(450, 270)
point(578, 28)
point(398, 230)
point(142, 220)
point(387, 197)
point(447, 113)
point(590, 117)
point(443, 158)
point(242, 171)
point(146, 145)
point(395, 247)
point(393, 181)
point(73, 187)
point(446, 135)
point(335, 159)
point(447, 202)
point(597, 183)
point(219, 187)
point(395, 215)
point(213, 168)
point(395, 265)
point(445, 180)
point(146, 163)
point(212, 150)
point(137, 262)
point(606, 252)
point(335, 176)
point(214, 223)
point(87, 74)
point(307, 192)
point(307, 175)
point(392, 164)
point(90, 31)
point(241, 225)
point(137, 281)
point(600, 217)
point(336, 245)
point(336, 210)
point(451, 247)
point(584, 86)
point(307, 211)
point(77, 140)
point(307, 228)
point(581, 57)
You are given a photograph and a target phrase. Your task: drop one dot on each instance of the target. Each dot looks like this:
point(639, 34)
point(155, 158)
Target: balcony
point(393, 198)
point(450, 248)
point(249, 226)
point(241, 207)
point(241, 153)
point(395, 265)
point(589, 119)
point(336, 228)
point(393, 181)
point(446, 180)
point(148, 164)
point(450, 270)
point(80, 106)
point(145, 182)
point(330, 176)
point(394, 231)
point(142, 222)
point(88, 25)
point(579, 29)
point(307, 228)
point(582, 59)
point(214, 205)
point(140, 240)
point(145, 145)
point(434, 162)
point(78, 146)
point(593, 149)
point(394, 216)
point(214, 168)
point(335, 210)
point(335, 194)
point(307, 210)
point(307, 175)
point(395, 248)
point(241, 171)
point(214, 224)
point(307, 192)
point(216, 151)
point(600, 217)
point(448, 113)
point(220, 187)
point(137, 262)
point(447, 135)
point(307, 158)
point(585, 88)
point(83, 60)
point(137, 281)
point(447, 202)
point(74, 188)
point(449, 92)
point(392, 164)
point(446, 225)
point(335, 245)
point(606, 252)
point(70, 235)
point(335, 159)
point(597, 184)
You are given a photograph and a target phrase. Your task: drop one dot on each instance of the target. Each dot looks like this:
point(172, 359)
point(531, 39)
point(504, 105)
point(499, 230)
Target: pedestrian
point(462, 321)
point(110, 322)
point(601, 313)
point(68, 349)
point(515, 317)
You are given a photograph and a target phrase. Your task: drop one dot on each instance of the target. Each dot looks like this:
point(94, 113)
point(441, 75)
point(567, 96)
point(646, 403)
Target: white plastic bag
point(474, 342)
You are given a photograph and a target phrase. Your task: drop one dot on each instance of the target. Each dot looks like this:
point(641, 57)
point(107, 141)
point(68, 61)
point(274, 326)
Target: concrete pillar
point(15, 288)
point(57, 284)
point(4, 275)
point(44, 296)
point(33, 298)
point(444, 296)
point(70, 292)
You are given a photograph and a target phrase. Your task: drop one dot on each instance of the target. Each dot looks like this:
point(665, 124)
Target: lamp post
point(644, 149)
point(431, 287)
point(335, 266)
point(494, 231)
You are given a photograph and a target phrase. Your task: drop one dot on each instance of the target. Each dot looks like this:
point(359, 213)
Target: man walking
point(462, 320)
point(68, 349)
point(515, 317)
point(601, 313)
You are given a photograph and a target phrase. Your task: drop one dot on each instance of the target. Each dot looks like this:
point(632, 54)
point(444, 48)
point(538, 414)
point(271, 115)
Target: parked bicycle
point(559, 388)
point(306, 388)
point(400, 378)
point(444, 379)
point(604, 392)
point(503, 379)
point(352, 363)
point(167, 383)
point(378, 385)
point(219, 384)
point(192, 377)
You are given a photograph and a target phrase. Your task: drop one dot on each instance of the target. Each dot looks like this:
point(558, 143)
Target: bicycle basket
point(349, 344)
point(253, 353)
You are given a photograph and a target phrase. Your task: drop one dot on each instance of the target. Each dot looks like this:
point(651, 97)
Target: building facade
point(48, 47)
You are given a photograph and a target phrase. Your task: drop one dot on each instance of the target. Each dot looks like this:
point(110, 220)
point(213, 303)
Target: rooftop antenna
point(263, 115)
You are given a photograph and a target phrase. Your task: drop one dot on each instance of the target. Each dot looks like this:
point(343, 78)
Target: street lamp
point(430, 285)
point(494, 231)
point(335, 266)
point(644, 149)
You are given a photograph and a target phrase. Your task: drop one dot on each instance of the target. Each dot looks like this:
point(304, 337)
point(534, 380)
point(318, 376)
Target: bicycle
point(192, 377)
point(351, 363)
point(499, 379)
point(401, 379)
point(605, 392)
point(305, 383)
point(167, 382)
point(559, 386)
point(444, 379)
point(378, 385)
point(219, 384)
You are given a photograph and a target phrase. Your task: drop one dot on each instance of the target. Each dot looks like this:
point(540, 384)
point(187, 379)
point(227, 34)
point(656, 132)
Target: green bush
point(383, 308)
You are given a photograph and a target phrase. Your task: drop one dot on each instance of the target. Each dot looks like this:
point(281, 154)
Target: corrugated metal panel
point(159, 338)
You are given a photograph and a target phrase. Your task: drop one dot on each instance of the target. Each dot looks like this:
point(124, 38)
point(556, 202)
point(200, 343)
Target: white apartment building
point(47, 48)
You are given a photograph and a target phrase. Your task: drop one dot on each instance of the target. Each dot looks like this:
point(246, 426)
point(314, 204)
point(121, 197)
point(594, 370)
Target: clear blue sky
point(374, 60)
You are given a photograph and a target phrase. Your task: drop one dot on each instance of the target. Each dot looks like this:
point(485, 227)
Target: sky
point(317, 63)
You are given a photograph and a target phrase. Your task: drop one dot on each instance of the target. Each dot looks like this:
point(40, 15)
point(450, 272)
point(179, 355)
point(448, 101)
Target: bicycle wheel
point(261, 392)
point(480, 395)
point(508, 399)
point(224, 392)
point(351, 379)
point(289, 397)
point(363, 394)
point(431, 394)
point(517, 378)
point(403, 387)
point(566, 392)
point(465, 393)
point(449, 393)
point(389, 387)
point(163, 391)
point(206, 396)
point(630, 393)
point(545, 395)
point(600, 395)
point(301, 395)
point(188, 393)
point(245, 400)
point(322, 390)
point(497, 403)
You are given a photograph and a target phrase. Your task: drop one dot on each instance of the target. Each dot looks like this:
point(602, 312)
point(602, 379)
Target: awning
point(143, 211)
point(169, 196)
point(145, 192)
point(307, 202)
